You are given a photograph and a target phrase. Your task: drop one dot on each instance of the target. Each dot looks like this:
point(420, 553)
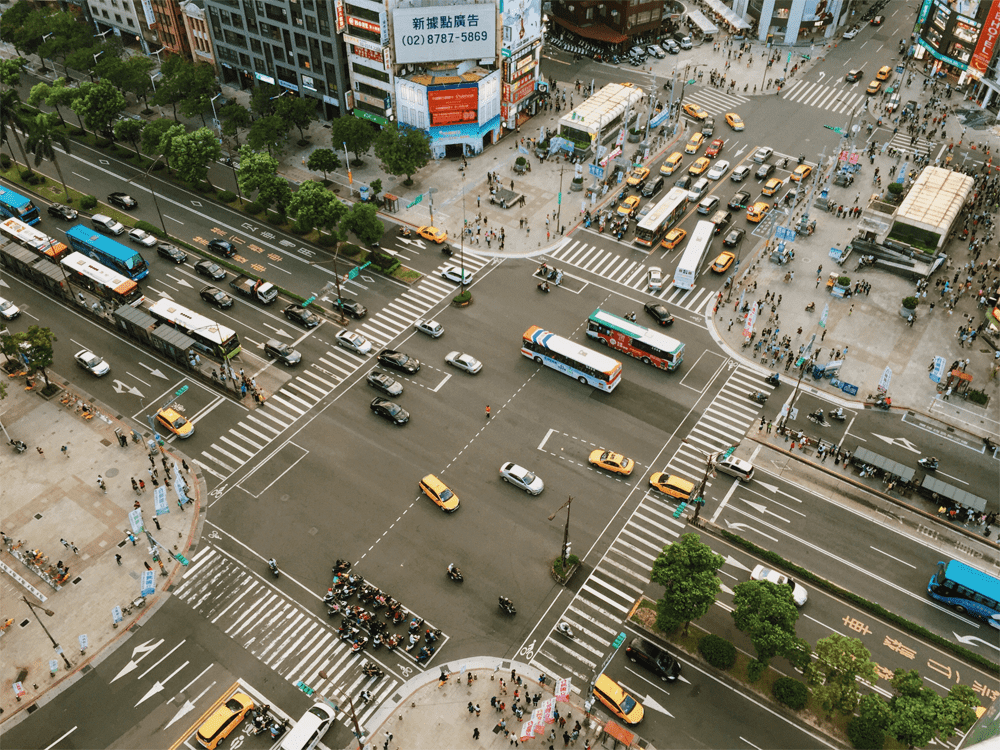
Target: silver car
point(353, 342)
point(431, 327)
point(522, 478)
point(140, 237)
point(92, 363)
point(464, 362)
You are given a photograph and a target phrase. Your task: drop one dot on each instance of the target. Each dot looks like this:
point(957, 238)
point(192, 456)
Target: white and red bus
point(570, 358)
point(651, 347)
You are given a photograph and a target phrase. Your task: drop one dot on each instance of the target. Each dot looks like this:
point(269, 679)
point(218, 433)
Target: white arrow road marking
point(180, 281)
point(648, 702)
point(145, 649)
point(970, 640)
point(158, 686)
point(188, 706)
point(121, 388)
point(154, 666)
point(155, 372)
point(900, 441)
point(730, 560)
point(746, 527)
point(768, 487)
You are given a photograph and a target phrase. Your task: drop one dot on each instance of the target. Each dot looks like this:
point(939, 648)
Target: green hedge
point(382, 262)
point(350, 250)
point(326, 240)
point(88, 202)
point(717, 651)
point(876, 609)
point(865, 734)
point(252, 209)
point(145, 226)
point(4, 161)
point(790, 692)
point(225, 196)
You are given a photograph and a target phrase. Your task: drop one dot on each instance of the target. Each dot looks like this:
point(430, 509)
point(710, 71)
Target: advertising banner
point(341, 16)
point(453, 105)
point(987, 42)
point(444, 32)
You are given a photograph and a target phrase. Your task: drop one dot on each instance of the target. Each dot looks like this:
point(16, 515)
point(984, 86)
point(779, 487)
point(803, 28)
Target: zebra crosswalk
point(836, 99)
point(715, 101)
point(316, 380)
point(294, 643)
point(617, 266)
point(598, 609)
point(907, 144)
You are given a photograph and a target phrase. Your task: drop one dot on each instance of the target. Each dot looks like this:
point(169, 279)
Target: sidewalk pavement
point(431, 715)
point(49, 497)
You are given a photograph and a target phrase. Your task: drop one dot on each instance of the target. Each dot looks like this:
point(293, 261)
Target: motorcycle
point(19, 446)
point(425, 653)
point(838, 414)
point(883, 403)
point(817, 418)
point(398, 616)
point(341, 566)
point(273, 565)
point(507, 605)
point(454, 573)
point(413, 641)
point(405, 231)
point(930, 464)
point(358, 646)
point(330, 597)
point(348, 632)
point(355, 580)
point(380, 600)
point(566, 630)
point(391, 642)
point(758, 396)
point(447, 250)
point(376, 640)
point(784, 163)
point(371, 669)
point(335, 609)
point(544, 287)
point(277, 729)
point(415, 624)
point(432, 635)
point(802, 158)
point(810, 307)
point(773, 379)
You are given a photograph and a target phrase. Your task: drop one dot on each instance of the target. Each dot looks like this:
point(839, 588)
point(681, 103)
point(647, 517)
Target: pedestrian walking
point(135, 486)
point(157, 522)
point(40, 451)
point(488, 416)
point(64, 543)
point(118, 559)
point(131, 538)
point(74, 548)
point(148, 566)
point(65, 451)
point(475, 733)
point(185, 465)
point(136, 506)
point(142, 486)
point(102, 485)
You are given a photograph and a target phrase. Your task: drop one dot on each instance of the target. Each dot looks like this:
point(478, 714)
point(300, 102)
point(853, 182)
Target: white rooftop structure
point(932, 205)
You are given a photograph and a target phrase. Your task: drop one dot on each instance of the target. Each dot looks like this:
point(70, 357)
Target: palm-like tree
point(43, 136)
point(12, 116)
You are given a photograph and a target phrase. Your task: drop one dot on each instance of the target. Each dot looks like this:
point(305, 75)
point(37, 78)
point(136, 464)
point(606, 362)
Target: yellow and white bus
point(569, 358)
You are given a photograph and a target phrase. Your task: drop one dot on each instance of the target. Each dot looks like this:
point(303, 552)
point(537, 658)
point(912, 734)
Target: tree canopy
point(362, 220)
point(833, 674)
point(358, 135)
point(918, 714)
point(687, 571)
point(403, 151)
point(766, 613)
point(296, 111)
point(98, 106)
point(313, 206)
point(258, 173)
point(192, 153)
point(323, 160)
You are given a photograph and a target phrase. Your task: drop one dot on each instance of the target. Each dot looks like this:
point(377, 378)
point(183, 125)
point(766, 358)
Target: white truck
point(263, 291)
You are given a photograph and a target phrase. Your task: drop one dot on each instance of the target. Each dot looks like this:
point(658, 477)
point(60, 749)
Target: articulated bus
point(16, 206)
point(29, 237)
point(651, 347)
point(569, 358)
point(106, 251)
point(665, 214)
point(209, 336)
point(967, 589)
point(101, 280)
point(694, 254)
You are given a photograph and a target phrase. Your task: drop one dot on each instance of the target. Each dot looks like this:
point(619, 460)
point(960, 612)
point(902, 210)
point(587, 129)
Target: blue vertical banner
point(147, 583)
point(937, 371)
point(825, 315)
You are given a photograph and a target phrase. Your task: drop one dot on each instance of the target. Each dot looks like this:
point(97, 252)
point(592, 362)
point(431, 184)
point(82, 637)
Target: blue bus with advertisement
point(16, 206)
point(106, 251)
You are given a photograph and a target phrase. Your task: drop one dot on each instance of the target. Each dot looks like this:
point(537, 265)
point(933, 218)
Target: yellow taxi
point(616, 463)
point(874, 87)
point(695, 111)
point(696, 142)
point(724, 261)
point(433, 234)
point(224, 720)
point(672, 162)
point(175, 422)
point(637, 176)
point(801, 172)
point(734, 121)
point(674, 237)
point(629, 206)
point(699, 166)
point(439, 493)
point(672, 485)
point(757, 211)
point(620, 703)
point(772, 186)
point(883, 73)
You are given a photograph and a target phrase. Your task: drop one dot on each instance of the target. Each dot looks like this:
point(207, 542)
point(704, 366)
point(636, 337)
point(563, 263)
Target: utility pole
point(350, 707)
point(565, 544)
point(48, 613)
point(558, 201)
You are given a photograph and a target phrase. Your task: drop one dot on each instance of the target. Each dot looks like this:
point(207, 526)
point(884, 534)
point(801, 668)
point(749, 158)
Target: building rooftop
point(936, 198)
point(604, 106)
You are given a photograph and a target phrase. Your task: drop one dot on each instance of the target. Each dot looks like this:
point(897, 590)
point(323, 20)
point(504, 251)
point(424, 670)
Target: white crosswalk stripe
point(715, 101)
point(288, 639)
point(628, 273)
point(317, 380)
point(597, 611)
point(837, 99)
point(904, 142)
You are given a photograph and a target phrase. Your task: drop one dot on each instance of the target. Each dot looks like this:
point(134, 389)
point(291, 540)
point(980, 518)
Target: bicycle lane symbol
point(214, 535)
point(528, 652)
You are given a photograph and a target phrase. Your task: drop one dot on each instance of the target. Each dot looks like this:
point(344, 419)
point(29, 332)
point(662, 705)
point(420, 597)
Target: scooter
point(447, 250)
point(273, 565)
point(371, 669)
point(817, 418)
point(277, 729)
point(566, 630)
point(432, 635)
point(810, 307)
point(358, 646)
point(930, 464)
point(341, 566)
point(405, 231)
point(19, 446)
point(425, 653)
point(883, 403)
point(415, 624)
point(544, 287)
point(507, 605)
point(413, 641)
point(454, 573)
point(838, 414)
point(773, 379)
point(758, 396)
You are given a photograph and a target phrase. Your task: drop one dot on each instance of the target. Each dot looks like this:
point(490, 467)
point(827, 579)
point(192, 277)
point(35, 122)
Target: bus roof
point(569, 348)
point(28, 236)
point(673, 198)
point(661, 341)
point(12, 198)
point(93, 270)
point(973, 578)
point(170, 311)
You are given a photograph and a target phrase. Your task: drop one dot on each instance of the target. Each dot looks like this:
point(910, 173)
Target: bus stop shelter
point(954, 494)
point(863, 455)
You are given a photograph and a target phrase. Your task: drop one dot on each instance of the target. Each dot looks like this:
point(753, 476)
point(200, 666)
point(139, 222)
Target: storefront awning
point(598, 31)
point(701, 21)
point(727, 13)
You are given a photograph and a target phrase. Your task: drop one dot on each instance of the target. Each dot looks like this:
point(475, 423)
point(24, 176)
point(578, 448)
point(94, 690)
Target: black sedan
point(302, 316)
point(123, 201)
point(390, 410)
point(398, 361)
point(382, 382)
point(65, 213)
point(212, 270)
point(171, 253)
point(660, 313)
point(734, 238)
point(217, 297)
point(223, 248)
point(740, 200)
point(351, 307)
point(764, 171)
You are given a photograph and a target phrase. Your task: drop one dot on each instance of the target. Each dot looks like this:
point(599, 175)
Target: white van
point(106, 224)
point(736, 467)
point(309, 730)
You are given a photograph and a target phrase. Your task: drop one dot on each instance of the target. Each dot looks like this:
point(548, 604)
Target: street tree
point(234, 118)
point(154, 133)
point(258, 173)
point(323, 160)
point(363, 222)
point(313, 206)
point(15, 28)
point(200, 84)
point(192, 153)
point(173, 82)
point(263, 98)
point(403, 151)
point(833, 675)
point(354, 133)
point(53, 95)
point(39, 342)
point(296, 111)
point(12, 118)
point(766, 613)
point(10, 71)
point(129, 75)
point(99, 106)
point(687, 572)
point(44, 134)
point(130, 131)
point(267, 132)
point(65, 35)
point(918, 714)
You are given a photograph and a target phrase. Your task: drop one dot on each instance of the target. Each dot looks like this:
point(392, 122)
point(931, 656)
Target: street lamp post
point(559, 204)
point(152, 192)
point(215, 116)
point(48, 613)
point(350, 708)
point(461, 241)
point(565, 544)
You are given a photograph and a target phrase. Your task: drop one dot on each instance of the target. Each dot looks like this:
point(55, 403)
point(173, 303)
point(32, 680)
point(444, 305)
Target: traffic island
point(563, 574)
point(462, 300)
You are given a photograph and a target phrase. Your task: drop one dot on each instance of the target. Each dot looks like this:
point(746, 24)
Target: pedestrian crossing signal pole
point(350, 707)
point(565, 544)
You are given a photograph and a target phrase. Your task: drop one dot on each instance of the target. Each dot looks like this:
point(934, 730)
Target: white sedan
point(522, 478)
point(454, 273)
point(464, 362)
point(718, 170)
point(140, 237)
point(8, 310)
point(92, 363)
point(799, 595)
point(851, 32)
point(655, 278)
point(431, 327)
point(353, 342)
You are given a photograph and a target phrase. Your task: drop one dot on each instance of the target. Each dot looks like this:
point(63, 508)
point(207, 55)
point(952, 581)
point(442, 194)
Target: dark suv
point(283, 352)
point(653, 658)
point(351, 307)
point(652, 187)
